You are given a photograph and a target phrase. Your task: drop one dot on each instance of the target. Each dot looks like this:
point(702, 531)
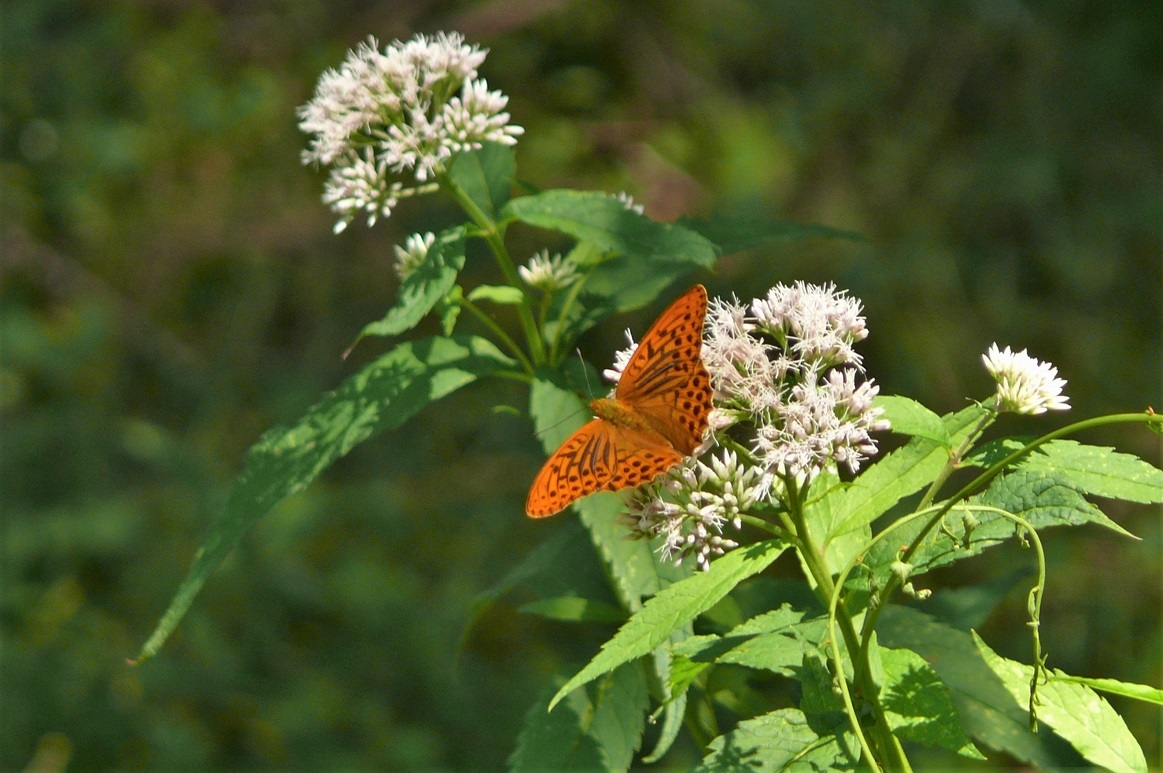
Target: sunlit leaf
point(917, 704)
point(672, 607)
point(382, 395)
point(1075, 712)
point(781, 740)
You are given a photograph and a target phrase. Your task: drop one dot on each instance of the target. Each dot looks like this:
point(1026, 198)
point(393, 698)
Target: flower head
point(403, 110)
point(691, 505)
point(548, 273)
point(785, 365)
point(1024, 384)
point(621, 359)
point(412, 254)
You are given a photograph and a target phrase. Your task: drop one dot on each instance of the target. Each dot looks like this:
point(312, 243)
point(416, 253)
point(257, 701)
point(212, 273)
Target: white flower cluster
point(407, 108)
point(1024, 384)
point(785, 364)
point(548, 273)
point(691, 505)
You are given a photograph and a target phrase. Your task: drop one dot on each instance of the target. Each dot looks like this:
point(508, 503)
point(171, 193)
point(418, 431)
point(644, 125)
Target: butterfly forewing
point(665, 380)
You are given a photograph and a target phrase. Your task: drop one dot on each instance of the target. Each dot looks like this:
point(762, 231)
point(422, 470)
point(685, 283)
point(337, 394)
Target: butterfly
point(658, 415)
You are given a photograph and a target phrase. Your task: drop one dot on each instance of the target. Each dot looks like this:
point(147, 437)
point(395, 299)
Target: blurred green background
point(171, 288)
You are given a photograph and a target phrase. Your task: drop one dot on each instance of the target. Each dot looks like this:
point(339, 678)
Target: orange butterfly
point(657, 416)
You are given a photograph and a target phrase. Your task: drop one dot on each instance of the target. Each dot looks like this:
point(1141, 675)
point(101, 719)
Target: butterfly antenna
point(585, 374)
point(589, 393)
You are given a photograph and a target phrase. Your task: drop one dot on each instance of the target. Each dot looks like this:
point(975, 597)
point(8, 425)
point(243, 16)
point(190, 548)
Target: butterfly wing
point(665, 381)
point(598, 457)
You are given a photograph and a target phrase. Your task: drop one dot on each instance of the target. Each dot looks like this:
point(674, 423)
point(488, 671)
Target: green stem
point(891, 752)
point(492, 235)
point(499, 332)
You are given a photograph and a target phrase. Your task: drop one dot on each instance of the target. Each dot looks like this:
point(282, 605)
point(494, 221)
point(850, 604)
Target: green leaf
point(424, 288)
point(1139, 692)
point(574, 609)
point(908, 417)
point(775, 641)
point(672, 607)
point(987, 710)
point(505, 295)
point(674, 712)
point(648, 255)
point(382, 395)
point(917, 704)
point(731, 233)
point(780, 740)
point(557, 413)
point(448, 309)
point(595, 729)
point(1099, 471)
point(1075, 712)
point(634, 568)
point(1043, 499)
point(486, 176)
point(565, 564)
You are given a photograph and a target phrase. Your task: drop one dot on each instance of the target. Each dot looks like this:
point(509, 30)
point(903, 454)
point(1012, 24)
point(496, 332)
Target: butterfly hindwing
point(582, 465)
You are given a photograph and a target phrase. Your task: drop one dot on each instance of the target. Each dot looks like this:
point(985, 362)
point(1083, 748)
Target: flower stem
point(492, 235)
point(513, 347)
point(891, 754)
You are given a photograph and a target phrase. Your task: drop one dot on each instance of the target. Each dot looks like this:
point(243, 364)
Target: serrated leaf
point(775, 641)
point(674, 712)
point(674, 606)
point(648, 255)
point(574, 609)
point(918, 706)
point(987, 710)
point(486, 176)
point(1139, 692)
point(1075, 712)
point(908, 417)
point(595, 729)
point(1099, 471)
point(1041, 500)
point(563, 564)
point(634, 569)
point(504, 295)
point(382, 395)
point(424, 288)
point(730, 233)
point(557, 413)
point(780, 740)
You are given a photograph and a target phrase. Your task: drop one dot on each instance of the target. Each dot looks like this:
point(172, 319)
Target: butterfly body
point(657, 415)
